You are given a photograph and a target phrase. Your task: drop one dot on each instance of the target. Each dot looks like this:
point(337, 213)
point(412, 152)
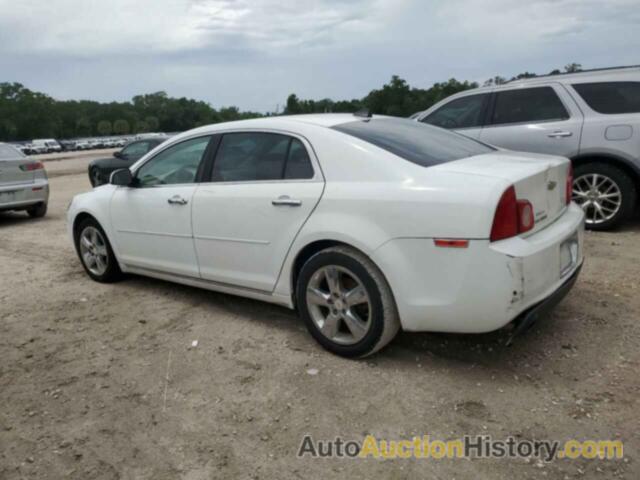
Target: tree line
point(25, 114)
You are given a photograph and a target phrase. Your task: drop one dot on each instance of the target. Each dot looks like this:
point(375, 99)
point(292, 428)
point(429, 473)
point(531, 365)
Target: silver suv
point(591, 117)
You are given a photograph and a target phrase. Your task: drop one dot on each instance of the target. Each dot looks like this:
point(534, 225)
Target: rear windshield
point(414, 141)
point(611, 97)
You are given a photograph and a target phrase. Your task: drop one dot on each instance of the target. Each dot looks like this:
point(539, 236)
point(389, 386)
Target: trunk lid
point(14, 172)
point(540, 179)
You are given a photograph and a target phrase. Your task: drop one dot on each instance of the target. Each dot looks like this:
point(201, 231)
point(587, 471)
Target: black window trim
point(492, 106)
point(318, 176)
point(484, 112)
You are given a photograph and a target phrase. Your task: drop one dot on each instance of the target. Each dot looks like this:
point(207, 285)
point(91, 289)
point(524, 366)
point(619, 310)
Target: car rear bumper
point(17, 197)
point(485, 286)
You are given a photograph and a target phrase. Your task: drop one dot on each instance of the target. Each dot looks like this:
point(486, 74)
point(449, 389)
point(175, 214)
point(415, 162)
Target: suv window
point(414, 141)
point(528, 105)
point(465, 112)
point(611, 97)
point(174, 165)
point(258, 156)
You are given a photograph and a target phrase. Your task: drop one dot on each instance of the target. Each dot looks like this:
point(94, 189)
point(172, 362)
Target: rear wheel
point(346, 302)
point(606, 194)
point(37, 211)
point(95, 252)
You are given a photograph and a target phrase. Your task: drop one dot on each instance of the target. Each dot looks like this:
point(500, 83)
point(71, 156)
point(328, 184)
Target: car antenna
point(363, 113)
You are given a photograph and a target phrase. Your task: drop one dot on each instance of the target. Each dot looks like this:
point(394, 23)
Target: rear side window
point(465, 112)
point(256, 156)
point(611, 97)
point(528, 105)
point(414, 141)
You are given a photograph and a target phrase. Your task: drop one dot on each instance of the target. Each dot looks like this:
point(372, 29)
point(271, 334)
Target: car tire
point(376, 318)
point(98, 259)
point(614, 180)
point(38, 211)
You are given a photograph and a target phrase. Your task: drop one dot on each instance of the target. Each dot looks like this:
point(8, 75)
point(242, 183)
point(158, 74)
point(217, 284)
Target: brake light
point(569, 185)
point(30, 167)
point(512, 216)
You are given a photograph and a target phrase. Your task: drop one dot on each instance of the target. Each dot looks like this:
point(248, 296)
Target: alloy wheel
point(339, 305)
point(598, 195)
point(93, 250)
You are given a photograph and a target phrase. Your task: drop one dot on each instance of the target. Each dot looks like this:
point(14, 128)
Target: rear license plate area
point(7, 197)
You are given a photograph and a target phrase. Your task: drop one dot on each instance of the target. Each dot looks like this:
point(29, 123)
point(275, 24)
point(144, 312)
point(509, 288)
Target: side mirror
point(121, 178)
point(117, 154)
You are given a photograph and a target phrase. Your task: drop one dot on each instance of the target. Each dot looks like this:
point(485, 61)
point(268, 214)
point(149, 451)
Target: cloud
point(92, 27)
point(253, 53)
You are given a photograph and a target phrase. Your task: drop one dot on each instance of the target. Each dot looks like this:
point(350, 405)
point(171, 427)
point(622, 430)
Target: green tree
point(152, 123)
point(83, 126)
point(120, 127)
point(573, 67)
point(141, 127)
point(104, 127)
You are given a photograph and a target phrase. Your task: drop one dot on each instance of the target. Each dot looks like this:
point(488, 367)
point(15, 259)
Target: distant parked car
point(592, 117)
point(100, 169)
point(23, 183)
point(68, 145)
point(49, 144)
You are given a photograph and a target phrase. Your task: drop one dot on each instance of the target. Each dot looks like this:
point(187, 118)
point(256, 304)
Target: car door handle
point(286, 201)
point(177, 200)
point(559, 134)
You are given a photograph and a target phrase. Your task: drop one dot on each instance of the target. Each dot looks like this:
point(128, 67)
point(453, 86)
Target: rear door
point(541, 119)
point(465, 114)
point(262, 188)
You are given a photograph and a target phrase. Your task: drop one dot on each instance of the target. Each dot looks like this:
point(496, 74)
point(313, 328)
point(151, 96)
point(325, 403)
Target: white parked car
point(365, 225)
point(47, 145)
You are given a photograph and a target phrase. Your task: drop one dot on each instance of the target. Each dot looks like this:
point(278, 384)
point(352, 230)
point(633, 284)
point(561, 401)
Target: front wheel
point(606, 194)
point(346, 303)
point(95, 252)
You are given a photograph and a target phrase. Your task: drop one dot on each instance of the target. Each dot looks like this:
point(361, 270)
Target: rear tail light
point(512, 216)
point(569, 185)
point(30, 167)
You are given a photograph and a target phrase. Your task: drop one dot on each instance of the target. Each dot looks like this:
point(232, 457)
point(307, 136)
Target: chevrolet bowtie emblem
point(551, 185)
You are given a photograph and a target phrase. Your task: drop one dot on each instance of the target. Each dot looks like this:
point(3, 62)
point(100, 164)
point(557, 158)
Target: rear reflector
point(569, 185)
point(512, 216)
point(451, 243)
point(29, 167)
point(37, 189)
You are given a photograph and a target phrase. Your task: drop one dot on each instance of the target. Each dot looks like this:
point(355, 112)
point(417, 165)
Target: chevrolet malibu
point(363, 224)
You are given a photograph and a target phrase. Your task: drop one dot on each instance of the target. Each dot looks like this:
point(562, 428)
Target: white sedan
point(364, 224)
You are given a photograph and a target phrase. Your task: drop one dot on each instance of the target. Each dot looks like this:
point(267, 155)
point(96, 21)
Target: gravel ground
point(102, 381)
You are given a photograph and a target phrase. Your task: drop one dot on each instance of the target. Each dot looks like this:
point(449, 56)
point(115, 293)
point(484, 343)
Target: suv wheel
point(606, 194)
point(346, 302)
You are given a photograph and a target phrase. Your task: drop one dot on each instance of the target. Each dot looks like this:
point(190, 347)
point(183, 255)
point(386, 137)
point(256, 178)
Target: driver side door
point(152, 218)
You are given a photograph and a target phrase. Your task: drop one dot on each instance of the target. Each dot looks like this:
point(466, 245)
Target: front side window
point(135, 150)
point(256, 156)
point(465, 112)
point(611, 97)
point(174, 165)
point(528, 105)
point(414, 141)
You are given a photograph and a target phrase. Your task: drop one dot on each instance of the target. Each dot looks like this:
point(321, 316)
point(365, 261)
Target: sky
point(254, 53)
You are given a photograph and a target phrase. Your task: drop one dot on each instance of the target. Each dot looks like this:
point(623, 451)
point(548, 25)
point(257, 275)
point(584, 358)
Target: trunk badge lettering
point(551, 184)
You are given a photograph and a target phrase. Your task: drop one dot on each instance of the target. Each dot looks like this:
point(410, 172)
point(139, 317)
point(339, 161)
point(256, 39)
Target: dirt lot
point(101, 381)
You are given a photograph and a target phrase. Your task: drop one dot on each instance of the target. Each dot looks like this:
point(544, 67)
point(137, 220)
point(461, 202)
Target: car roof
point(585, 76)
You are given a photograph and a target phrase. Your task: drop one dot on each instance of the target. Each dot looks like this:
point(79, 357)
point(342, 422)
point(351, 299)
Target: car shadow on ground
point(8, 219)
point(463, 350)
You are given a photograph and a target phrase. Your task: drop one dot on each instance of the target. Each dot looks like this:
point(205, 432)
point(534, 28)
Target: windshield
point(416, 142)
